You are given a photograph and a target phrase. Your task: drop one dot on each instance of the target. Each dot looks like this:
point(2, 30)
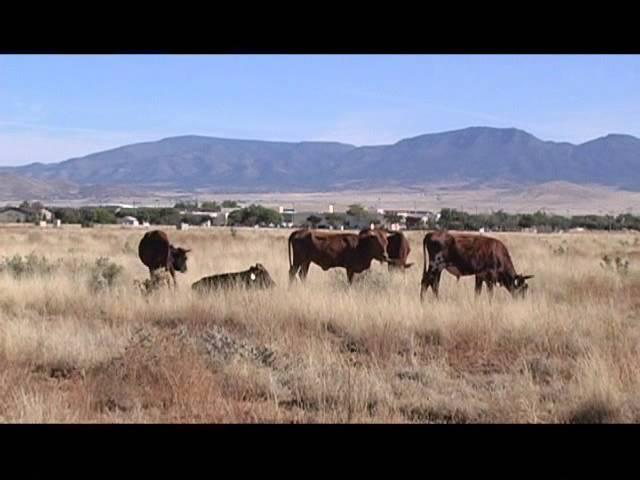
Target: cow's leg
point(304, 270)
point(350, 274)
point(436, 265)
point(173, 276)
point(292, 273)
point(436, 282)
point(424, 285)
point(431, 278)
point(479, 280)
point(490, 285)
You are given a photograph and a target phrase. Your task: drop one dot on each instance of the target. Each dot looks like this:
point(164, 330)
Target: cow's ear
point(526, 277)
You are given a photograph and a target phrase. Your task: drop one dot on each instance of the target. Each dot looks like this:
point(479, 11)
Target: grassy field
point(79, 344)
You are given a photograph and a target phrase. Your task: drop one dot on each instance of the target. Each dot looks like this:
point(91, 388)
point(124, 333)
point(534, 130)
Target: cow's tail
point(289, 250)
point(424, 251)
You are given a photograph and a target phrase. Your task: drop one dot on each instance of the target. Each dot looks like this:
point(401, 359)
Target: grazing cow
point(464, 254)
point(398, 250)
point(156, 252)
point(255, 277)
point(351, 251)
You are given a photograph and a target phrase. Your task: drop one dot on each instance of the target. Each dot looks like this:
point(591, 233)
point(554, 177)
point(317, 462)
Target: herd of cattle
point(459, 254)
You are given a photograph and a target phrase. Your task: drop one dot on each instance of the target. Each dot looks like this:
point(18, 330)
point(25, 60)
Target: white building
point(288, 216)
point(129, 220)
point(218, 219)
point(45, 215)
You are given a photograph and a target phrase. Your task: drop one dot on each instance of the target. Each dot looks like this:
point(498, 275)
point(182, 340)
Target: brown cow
point(464, 254)
point(398, 250)
point(255, 277)
point(351, 251)
point(156, 252)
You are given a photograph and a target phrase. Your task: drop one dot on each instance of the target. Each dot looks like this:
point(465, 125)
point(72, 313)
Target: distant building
point(289, 216)
point(411, 218)
point(15, 215)
point(218, 219)
point(44, 214)
point(129, 220)
point(299, 219)
point(411, 221)
point(359, 223)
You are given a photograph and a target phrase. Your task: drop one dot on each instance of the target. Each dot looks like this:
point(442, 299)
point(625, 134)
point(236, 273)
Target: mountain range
point(474, 157)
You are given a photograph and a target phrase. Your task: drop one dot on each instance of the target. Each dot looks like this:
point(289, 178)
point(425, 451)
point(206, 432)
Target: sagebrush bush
point(29, 265)
point(104, 274)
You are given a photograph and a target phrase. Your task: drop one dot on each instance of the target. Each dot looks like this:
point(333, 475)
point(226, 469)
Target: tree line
point(87, 216)
point(450, 218)
point(208, 206)
point(453, 219)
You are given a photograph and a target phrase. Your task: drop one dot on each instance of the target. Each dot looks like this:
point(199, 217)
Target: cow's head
point(179, 256)
point(259, 275)
point(520, 287)
point(374, 244)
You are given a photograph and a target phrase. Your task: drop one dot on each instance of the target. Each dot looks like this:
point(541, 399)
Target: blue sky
point(54, 107)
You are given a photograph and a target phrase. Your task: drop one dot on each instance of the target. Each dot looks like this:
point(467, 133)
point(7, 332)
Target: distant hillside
point(193, 162)
point(17, 187)
point(476, 156)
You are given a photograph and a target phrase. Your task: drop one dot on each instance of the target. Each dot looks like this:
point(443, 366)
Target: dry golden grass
point(320, 352)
